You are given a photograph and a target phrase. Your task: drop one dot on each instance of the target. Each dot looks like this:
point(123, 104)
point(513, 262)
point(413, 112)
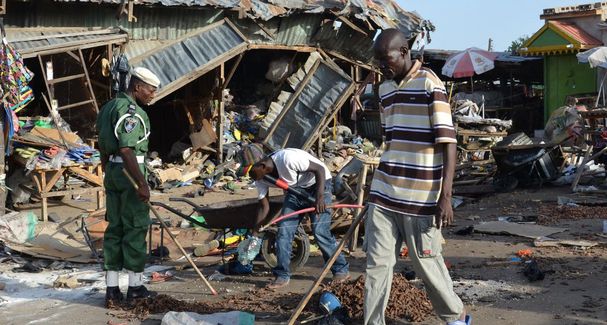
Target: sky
point(466, 23)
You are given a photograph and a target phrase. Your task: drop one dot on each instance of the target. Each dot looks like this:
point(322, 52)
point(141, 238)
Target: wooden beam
point(87, 80)
point(131, 17)
point(307, 49)
point(88, 176)
point(232, 71)
point(219, 97)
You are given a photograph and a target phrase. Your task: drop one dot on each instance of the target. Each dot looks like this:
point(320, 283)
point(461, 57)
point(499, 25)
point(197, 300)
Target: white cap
point(146, 76)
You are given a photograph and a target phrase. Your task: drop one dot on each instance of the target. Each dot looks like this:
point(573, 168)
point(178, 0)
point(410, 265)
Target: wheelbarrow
point(240, 214)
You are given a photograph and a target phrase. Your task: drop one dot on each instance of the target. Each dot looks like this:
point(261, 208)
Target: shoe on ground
point(113, 297)
point(341, 278)
point(278, 283)
point(140, 292)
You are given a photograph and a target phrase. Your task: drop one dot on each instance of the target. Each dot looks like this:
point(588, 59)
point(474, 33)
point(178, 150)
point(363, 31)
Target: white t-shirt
point(292, 166)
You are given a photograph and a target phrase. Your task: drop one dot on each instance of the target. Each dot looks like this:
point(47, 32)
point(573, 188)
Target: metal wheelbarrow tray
point(232, 214)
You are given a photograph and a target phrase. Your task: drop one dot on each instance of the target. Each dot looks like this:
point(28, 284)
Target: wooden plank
point(87, 80)
point(75, 104)
point(90, 177)
point(307, 49)
point(56, 175)
point(232, 71)
point(64, 79)
point(360, 192)
point(71, 192)
point(221, 113)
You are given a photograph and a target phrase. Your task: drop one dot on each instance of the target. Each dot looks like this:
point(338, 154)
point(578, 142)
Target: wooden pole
point(342, 243)
point(163, 226)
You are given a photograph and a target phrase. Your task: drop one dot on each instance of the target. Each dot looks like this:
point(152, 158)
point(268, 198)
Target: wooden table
point(46, 179)
point(369, 163)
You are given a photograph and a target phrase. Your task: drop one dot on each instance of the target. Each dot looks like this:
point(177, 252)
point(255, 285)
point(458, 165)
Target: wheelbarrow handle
point(184, 200)
point(179, 213)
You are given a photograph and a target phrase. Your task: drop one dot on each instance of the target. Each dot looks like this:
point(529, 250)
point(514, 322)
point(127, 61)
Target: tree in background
point(517, 44)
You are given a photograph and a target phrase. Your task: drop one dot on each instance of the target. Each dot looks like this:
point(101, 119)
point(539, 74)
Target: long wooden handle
point(306, 298)
point(185, 254)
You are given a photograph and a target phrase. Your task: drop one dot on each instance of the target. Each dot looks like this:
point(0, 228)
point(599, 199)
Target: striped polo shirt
point(416, 117)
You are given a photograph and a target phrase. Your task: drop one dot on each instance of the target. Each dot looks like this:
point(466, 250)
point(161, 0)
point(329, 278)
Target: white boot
point(135, 279)
point(111, 278)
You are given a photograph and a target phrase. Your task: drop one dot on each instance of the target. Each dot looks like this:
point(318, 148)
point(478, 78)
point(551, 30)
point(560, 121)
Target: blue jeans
point(321, 226)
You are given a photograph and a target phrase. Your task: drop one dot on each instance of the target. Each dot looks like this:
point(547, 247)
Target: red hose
point(306, 210)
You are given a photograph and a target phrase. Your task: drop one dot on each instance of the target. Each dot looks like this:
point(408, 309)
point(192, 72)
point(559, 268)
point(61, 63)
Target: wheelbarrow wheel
point(505, 183)
point(299, 253)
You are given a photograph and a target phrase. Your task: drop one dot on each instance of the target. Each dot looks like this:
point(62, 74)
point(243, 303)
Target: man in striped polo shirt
point(410, 197)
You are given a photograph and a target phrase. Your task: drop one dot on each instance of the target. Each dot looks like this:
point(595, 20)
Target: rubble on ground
point(406, 300)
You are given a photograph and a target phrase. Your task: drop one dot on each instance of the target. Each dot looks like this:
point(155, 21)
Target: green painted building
point(559, 41)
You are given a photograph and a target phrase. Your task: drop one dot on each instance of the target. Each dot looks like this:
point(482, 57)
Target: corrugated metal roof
point(29, 41)
point(384, 13)
point(152, 23)
point(346, 41)
point(576, 33)
point(187, 58)
point(298, 29)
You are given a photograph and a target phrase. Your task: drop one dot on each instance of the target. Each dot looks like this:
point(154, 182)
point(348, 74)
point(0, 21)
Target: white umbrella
point(597, 58)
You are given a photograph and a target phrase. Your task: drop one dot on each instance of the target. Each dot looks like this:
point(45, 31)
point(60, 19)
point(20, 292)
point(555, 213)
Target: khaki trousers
point(385, 231)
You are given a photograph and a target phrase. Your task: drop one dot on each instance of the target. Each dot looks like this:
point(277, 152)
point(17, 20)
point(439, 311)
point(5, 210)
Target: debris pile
point(476, 134)
point(257, 301)
point(406, 301)
point(552, 214)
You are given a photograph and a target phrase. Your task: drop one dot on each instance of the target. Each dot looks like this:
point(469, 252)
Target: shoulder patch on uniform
point(130, 123)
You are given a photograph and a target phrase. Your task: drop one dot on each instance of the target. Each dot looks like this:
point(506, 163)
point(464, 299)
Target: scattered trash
point(161, 277)
point(524, 253)
point(328, 302)
point(248, 249)
point(217, 276)
point(189, 318)
point(18, 227)
point(532, 271)
point(468, 231)
point(66, 281)
point(551, 242)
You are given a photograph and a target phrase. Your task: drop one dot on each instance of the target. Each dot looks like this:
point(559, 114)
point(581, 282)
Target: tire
point(505, 183)
point(300, 252)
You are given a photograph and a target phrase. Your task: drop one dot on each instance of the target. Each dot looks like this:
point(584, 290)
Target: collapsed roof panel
point(181, 61)
point(31, 42)
point(384, 13)
point(317, 96)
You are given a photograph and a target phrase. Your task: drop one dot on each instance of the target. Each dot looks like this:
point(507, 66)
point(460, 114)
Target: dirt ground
point(494, 290)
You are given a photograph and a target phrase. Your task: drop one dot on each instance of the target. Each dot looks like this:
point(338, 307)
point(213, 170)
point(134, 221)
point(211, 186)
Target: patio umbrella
point(597, 58)
point(469, 62)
